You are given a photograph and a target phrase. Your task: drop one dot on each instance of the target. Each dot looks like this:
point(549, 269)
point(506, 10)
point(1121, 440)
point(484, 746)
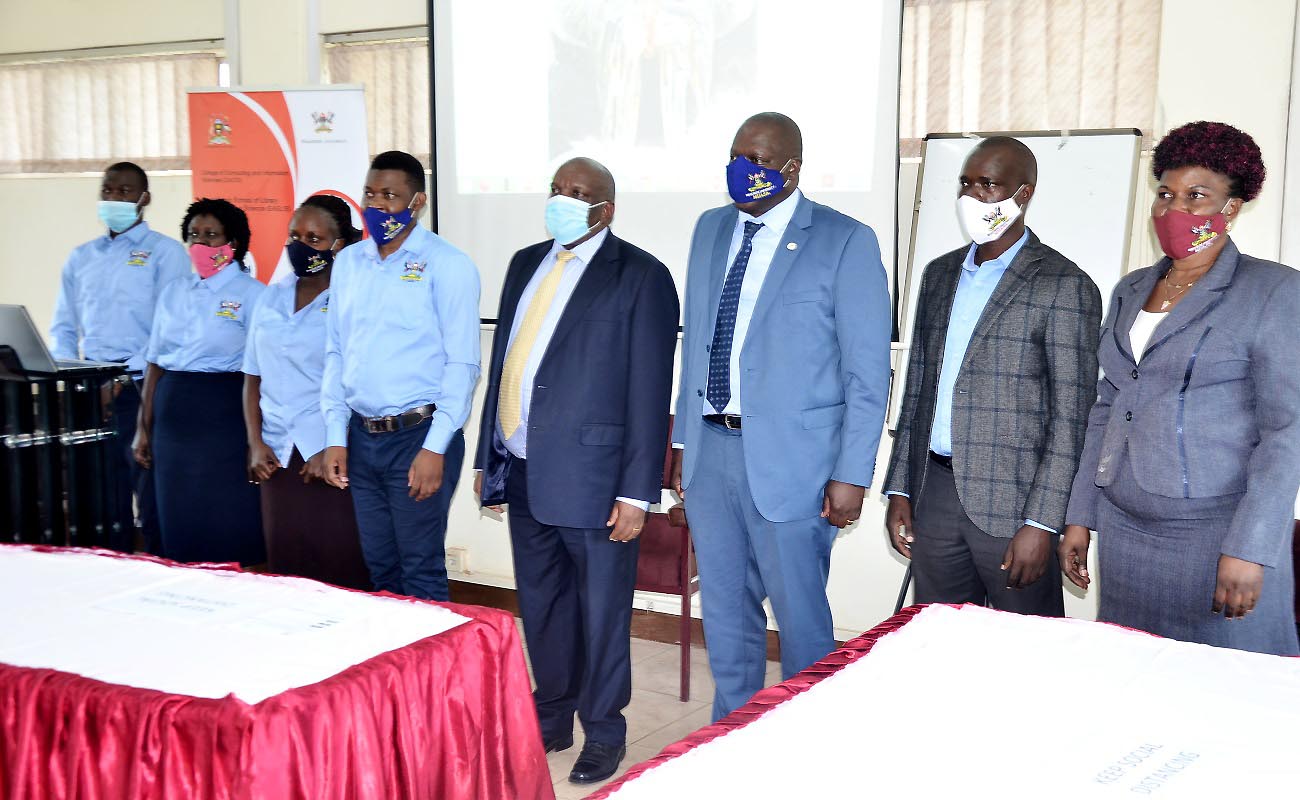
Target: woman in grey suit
point(1192, 457)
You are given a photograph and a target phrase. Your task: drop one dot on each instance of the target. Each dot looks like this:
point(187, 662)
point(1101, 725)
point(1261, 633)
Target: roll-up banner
point(267, 150)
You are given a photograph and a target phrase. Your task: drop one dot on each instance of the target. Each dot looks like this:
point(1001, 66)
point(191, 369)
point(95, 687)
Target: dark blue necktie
point(725, 328)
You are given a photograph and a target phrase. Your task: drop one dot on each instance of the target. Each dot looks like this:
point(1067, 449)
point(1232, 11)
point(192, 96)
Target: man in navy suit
point(572, 440)
point(785, 374)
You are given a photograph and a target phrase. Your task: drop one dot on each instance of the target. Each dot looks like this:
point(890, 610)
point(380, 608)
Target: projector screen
point(655, 90)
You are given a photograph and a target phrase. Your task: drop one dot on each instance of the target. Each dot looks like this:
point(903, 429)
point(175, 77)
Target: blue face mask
point(307, 260)
point(118, 215)
point(385, 226)
point(566, 218)
point(748, 182)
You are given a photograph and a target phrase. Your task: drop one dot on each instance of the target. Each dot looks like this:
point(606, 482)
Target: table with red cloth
point(129, 677)
point(941, 701)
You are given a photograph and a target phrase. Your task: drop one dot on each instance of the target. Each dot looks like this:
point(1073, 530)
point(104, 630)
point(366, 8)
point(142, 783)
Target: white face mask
point(984, 222)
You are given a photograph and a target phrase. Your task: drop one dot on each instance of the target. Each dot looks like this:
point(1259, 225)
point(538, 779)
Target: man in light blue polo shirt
point(401, 360)
point(105, 312)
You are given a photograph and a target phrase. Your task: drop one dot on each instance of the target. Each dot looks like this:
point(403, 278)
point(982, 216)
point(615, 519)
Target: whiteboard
point(1082, 208)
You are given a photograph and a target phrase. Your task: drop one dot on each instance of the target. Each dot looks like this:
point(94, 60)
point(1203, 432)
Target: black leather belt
point(729, 421)
point(396, 422)
point(943, 461)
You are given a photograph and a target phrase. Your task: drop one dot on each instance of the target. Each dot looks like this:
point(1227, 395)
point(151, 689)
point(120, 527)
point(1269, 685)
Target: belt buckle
point(731, 421)
point(380, 425)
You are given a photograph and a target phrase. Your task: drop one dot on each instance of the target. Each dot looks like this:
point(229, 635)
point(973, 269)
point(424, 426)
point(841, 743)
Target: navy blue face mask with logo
point(307, 260)
point(748, 182)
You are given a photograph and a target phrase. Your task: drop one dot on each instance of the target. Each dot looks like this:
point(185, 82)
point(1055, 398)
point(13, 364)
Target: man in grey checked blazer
point(1001, 375)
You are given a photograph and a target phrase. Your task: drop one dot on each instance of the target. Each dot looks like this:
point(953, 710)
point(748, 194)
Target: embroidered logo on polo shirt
point(138, 258)
point(413, 271)
point(230, 309)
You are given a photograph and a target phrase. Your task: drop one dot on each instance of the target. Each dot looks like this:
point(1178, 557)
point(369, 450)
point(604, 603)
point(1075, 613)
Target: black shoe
point(597, 762)
point(557, 743)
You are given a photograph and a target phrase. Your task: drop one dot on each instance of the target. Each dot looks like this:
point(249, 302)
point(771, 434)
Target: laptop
point(19, 332)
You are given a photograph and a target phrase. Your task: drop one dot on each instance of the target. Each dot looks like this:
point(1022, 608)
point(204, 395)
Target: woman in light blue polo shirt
point(191, 429)
point(310, 527)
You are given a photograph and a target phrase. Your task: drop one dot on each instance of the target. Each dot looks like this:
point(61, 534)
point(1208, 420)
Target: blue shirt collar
point(134, 235)
point(222, 279)
point(414, 243)
point(286, 293)
point(1001, 262)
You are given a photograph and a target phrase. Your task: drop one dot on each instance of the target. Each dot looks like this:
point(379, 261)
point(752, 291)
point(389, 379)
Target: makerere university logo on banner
point(324, 121)
point(219, 130)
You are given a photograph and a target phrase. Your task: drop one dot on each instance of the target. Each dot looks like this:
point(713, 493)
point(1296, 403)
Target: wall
point(60, 211)
point(74, 24)
point(274, 42)
point(347, 16)
point(1252, 93)
point(1291, 191)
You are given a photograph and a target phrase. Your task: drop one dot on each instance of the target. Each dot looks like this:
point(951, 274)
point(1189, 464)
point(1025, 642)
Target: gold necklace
point(1181, 285)
point(1171, 296)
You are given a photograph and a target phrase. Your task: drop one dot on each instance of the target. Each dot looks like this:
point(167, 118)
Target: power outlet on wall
point(458, 560)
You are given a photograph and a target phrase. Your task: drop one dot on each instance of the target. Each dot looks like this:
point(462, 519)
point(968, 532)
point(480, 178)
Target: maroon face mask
point(1182, 234)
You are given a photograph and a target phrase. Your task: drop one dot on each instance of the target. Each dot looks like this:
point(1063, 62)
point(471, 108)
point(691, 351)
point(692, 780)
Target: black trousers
point(133, 487)
point(953, 561)
point(575, 595)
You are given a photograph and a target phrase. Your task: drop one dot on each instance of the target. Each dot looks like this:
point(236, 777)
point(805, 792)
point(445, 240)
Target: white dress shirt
point(763, 250)
point(517, 444)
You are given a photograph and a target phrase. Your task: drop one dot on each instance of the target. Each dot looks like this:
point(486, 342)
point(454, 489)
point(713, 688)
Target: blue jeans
point(402, 540)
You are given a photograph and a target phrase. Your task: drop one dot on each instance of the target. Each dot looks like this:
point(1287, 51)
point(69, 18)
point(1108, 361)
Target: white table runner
point(976, 703)
point(203, 633)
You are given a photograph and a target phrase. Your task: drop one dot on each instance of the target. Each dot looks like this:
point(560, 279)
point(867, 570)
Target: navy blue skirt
point(207, 509)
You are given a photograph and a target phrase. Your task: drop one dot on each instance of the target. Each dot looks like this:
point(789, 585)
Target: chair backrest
point(659, 566)
point(668, 457)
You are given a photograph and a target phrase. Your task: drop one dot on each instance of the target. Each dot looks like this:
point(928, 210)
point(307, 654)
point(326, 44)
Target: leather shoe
point(558, 742)
point(597, 762)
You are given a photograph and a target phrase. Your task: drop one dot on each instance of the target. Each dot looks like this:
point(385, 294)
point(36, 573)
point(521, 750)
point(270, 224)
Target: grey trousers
point(953, 561)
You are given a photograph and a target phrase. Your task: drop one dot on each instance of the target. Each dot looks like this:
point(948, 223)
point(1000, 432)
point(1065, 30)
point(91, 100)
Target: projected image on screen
point(656, 88)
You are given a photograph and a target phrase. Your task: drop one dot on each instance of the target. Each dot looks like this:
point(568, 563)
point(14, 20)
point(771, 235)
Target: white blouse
point(1139, 336)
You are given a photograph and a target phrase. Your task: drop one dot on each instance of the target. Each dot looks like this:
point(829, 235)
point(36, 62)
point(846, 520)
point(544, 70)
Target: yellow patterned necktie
point(510, 399)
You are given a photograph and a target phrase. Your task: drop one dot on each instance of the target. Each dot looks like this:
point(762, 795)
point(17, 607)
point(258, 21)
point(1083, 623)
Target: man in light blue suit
point(785, 375)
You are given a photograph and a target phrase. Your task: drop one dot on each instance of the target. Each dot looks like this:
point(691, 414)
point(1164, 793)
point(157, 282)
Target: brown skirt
point(311, 529)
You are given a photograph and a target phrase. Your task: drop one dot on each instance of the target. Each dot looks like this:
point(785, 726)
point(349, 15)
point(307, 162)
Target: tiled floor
point(655, 717)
